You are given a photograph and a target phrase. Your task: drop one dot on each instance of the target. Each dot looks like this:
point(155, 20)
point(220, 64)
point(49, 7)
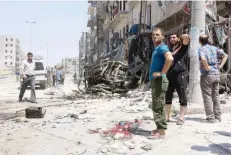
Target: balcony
point(93, 3)
point(118, 15)
point(170, 9)
point(132, 3)
point(90, 10)
point(103, 10)
point(91, 21)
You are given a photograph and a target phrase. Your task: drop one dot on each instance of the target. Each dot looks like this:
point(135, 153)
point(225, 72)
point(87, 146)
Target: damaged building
point(116, 52)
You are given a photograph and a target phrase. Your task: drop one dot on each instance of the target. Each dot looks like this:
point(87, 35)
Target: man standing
point(178, 75)
point(59, 76)
point(27, 72)
point(63, 75)
point(161, 62)
point(53, 74)
point(210, 78)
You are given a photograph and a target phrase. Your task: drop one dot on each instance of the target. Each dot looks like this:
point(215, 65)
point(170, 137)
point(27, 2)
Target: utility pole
point(228, 5)
point(47, 53)
point(86, 52)
point(29, 22)
point(97, 31)
point(197, 28)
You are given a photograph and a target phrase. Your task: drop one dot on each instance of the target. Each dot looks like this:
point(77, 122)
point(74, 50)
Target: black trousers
point(178, 82)
point(54, 80)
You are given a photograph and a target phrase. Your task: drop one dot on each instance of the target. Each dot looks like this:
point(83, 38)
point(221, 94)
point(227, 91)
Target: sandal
point(180, 122)
point(156, 135)
point(170, 120)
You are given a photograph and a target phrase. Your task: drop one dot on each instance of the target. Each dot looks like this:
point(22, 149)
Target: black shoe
point(20, 100)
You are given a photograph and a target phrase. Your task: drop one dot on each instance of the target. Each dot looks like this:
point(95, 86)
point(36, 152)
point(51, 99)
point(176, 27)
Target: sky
point(59, 25)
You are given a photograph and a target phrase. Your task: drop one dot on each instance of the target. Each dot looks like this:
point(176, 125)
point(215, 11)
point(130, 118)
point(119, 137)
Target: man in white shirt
point(27, 71)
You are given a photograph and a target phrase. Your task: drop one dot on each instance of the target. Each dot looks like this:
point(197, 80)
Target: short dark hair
point(29, 54)
point(204, 39)
point(177, 34)
point(160, 29)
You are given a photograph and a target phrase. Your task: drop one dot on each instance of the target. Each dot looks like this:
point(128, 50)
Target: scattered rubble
point(35, 112)
point(147, 147)
point(107, 77)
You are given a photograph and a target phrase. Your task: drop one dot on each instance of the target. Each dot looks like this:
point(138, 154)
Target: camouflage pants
point(159, 88)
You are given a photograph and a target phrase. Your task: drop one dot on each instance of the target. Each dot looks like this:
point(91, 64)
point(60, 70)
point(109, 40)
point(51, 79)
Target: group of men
point(58, 75)
point(169, 71)
point(27, 72)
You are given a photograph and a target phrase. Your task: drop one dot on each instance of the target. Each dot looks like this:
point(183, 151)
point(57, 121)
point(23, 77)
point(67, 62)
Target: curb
point(195, 108)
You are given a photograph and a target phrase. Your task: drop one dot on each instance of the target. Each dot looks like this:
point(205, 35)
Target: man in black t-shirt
point(178, 75)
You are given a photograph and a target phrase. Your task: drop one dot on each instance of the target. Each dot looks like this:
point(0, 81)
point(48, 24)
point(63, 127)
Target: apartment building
point(111, 20)
point(10, 57)
point(69, 64)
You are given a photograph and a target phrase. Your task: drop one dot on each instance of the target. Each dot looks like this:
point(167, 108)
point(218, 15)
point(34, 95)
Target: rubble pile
point(107, 77)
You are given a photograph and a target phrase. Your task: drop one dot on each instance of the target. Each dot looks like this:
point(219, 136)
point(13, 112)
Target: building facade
point(69, 64)
point(110, 21)
point(10, 53)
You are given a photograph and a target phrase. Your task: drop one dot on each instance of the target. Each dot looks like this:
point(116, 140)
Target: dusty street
point(65, 128)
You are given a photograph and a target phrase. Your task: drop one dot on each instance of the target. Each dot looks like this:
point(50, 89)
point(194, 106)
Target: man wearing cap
point(27, 71)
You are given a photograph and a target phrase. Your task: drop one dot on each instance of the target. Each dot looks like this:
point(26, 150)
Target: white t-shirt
point(28, 67)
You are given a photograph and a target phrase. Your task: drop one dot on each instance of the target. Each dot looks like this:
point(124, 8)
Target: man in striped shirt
point(209, 57)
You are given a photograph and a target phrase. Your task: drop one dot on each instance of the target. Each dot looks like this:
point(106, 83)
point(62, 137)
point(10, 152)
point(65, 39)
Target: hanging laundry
point(220, 33)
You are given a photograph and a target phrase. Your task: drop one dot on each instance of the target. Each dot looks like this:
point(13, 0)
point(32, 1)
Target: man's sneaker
point(20, 100)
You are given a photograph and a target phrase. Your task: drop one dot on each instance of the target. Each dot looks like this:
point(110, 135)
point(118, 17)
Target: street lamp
point(47, 53)
point(30, 22)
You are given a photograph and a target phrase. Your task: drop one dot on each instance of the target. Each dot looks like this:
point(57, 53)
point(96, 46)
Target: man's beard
point(176, 43)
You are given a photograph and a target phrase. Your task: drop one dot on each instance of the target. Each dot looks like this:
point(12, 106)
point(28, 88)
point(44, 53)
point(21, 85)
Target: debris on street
point(35, 112)
point(107, 77)
point(120, 130)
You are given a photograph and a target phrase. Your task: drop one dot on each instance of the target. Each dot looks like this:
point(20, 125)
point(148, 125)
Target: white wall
point(168, 8)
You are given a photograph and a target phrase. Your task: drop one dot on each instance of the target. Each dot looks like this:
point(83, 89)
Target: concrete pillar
point(197, 28)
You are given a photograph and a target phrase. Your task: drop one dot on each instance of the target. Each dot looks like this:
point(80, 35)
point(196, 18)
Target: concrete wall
point(123, 22)
point(167, 9)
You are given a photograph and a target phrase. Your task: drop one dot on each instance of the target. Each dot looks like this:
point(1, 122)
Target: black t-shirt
point(181, 61)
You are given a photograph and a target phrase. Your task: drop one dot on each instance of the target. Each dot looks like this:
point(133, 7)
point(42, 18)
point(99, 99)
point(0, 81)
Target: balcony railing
point(91, 21)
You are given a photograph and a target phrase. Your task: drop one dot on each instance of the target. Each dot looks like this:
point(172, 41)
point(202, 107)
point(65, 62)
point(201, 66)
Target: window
point(127, 28)
point(6, 51)
point(39, 66)
point(6, 39)
point(11, 51)
point(120, 8)
point(6, 45)
point(11, 45)
point(124, 31)
point(5, 57)
point(124, 5)
point(11, 39)
point(5, 63)
point(11, 63)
